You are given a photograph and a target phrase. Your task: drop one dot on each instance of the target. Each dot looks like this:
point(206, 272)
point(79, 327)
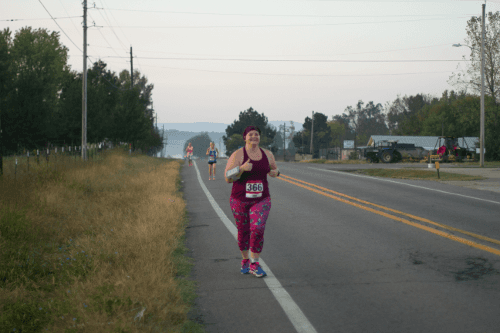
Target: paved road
point(410, 257)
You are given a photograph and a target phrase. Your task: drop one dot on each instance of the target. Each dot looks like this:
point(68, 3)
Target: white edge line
point(393, 181)
point(291, 309)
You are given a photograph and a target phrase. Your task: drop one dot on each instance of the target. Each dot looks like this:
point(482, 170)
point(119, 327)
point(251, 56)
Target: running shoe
point(245, 266)
point(256, 270)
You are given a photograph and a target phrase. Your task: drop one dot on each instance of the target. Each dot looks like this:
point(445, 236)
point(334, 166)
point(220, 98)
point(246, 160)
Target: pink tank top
point(253, 186)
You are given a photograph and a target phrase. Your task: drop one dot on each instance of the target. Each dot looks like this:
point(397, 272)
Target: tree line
point(41, 97)
point(454, 113)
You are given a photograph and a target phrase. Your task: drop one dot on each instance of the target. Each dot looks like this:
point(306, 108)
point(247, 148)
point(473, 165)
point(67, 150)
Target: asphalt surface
point(349, 268)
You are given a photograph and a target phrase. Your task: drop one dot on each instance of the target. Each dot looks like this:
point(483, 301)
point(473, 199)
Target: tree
point(39, 60)
point(364, 121)
point(247, 118)
point(338, 131)
point(291, 149)
point(6, 77)
point(277, 145)
point(402, 114)
point(70, 109)
point(200, 144)
point(470, 79)
point(103, 94)
point(321, 135)
point(234, 142)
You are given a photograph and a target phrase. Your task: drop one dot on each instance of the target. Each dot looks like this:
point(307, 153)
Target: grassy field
point(94, 247)
point(416, 174)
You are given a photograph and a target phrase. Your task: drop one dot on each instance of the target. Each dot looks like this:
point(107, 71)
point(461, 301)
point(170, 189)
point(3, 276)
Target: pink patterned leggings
point(250, 220)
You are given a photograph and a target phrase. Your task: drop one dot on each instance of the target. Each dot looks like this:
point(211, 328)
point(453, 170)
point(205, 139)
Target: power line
point(296, 55)
point(124, 34)
point(38, 19)
point(60, 1)
point(59, 26)
point(288, 60)
point(273, 25)
point(266, 15)
point(300, 75)
point(104, 37)
point(113, 30)
point(103, 4)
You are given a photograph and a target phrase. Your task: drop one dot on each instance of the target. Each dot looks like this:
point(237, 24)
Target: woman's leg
point(241, 217)
point(259, 212)
point(209, 170)
point(213, 172)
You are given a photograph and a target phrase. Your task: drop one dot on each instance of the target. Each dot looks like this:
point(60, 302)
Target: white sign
point(348, 144)
point(478, 150)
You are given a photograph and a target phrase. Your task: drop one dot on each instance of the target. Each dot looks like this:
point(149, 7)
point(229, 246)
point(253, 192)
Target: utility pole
point(284, 138)
point(84, 93)
point(162, 140)
point(312, 130)
point(131, 69)
point(481, 134)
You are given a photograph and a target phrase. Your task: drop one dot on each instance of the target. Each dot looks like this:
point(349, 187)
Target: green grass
point(324, 161)
point(416, 174)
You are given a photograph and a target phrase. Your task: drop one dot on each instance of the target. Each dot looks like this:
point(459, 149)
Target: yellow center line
point(418, 218)
point(416, 225)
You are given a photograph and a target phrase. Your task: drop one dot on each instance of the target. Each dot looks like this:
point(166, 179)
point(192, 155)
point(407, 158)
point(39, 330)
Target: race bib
point(211, 158)
point(254, 189)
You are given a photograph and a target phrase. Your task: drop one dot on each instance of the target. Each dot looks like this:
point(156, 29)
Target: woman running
point(189, 151)
point(250, 199)
point(212, 153)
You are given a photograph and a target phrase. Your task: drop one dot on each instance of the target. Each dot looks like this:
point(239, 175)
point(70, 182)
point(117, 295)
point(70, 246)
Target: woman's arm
point(208, 150)
point(232, 162)
point(272, 164)
point(235, 160)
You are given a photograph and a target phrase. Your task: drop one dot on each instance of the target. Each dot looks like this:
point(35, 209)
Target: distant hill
point(179, 133)
point(195, 127)
point(215, 127)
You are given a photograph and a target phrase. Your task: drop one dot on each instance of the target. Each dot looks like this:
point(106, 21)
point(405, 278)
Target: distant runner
point(250, 198)
point(212, 153)
point(189, 154)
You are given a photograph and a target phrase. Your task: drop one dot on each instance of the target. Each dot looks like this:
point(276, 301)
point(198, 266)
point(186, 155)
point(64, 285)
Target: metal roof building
point(426, 142)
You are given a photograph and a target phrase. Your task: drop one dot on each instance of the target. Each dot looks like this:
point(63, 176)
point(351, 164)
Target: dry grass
point(416, 174)
point(95, 247)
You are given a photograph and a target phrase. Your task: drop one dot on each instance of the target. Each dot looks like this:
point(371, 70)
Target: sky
point(209, 60)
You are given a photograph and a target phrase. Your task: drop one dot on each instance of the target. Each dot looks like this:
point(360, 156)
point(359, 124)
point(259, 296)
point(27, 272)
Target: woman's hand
point(274, 173)
point(247, 166)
